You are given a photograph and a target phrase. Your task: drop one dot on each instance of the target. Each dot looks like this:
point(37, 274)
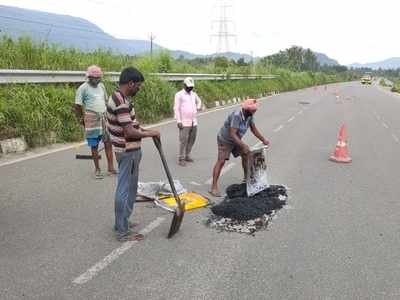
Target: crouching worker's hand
point(265, 142)
point(180, 126)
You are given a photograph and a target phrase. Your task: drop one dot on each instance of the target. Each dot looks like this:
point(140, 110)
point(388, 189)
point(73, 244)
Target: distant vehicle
point(366, 79)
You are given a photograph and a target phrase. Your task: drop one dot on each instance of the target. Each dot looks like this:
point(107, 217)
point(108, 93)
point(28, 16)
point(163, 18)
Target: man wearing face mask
point(90, 108)
point(126, 135)
point(229, 139)
point(186, 105)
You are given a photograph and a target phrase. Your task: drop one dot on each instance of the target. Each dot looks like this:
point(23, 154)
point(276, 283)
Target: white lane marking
point(291, 119)
point(93, 271)
point(224, 170)
point(278, 128)
point(396, 138)
point(195, 183)
point(300, 112)
point(385, 125)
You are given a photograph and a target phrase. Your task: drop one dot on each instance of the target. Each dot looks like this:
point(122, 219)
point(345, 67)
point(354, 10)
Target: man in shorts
point(229, 140)
point(90, 108)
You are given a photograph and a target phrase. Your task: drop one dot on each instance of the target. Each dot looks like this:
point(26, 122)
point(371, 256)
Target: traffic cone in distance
point(341, 154)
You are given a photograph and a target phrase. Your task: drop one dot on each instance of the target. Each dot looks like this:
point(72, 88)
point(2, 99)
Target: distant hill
point(69, 31)
point(390, 63)
point(64, 30)
point(79, 33)
point(323, 59)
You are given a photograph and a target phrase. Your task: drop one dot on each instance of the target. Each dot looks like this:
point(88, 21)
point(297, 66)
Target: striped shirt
point(120, 112)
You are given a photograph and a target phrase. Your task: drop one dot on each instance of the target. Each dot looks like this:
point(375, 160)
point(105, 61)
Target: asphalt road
point(339, 238)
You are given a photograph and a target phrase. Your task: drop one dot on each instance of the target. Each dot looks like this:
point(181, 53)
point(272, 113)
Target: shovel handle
point(157, 143)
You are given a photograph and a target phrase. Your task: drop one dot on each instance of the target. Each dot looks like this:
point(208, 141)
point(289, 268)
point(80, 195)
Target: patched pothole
point(242, 214)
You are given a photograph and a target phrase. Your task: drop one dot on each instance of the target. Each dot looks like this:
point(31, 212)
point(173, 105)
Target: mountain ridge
point(75, 32)
point(390, 63)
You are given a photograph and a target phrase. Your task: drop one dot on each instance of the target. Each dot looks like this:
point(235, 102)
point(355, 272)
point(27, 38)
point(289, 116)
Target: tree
point(310, 61)
point(221, 62)
point(295, 58)
point(241, 62)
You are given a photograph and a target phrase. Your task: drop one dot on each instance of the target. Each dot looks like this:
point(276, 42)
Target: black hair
point(130, 74)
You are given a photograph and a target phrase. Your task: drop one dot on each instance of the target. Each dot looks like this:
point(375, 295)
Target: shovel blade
point(176, 221)
point(180, 209)
point(87, 156)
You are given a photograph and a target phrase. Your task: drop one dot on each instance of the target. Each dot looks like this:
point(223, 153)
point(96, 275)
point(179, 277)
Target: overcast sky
point(347, 30)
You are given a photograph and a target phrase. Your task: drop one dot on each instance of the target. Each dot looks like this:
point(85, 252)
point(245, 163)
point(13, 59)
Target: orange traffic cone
point(341, 154)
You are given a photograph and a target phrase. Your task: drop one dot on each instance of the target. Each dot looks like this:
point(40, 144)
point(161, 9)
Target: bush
point(396, 87)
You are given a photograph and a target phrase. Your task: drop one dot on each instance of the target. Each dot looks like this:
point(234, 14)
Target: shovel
point(88, 156)
point(180, 209)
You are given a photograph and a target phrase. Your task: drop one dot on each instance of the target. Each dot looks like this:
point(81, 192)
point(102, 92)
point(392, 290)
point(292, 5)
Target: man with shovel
point(126, 135)
point(229, 139)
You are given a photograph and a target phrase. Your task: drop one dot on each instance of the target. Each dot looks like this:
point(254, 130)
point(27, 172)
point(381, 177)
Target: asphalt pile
point(243, 214)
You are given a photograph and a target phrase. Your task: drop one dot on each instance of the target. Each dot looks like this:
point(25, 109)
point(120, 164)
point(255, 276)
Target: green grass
point(396, 87)
point(42, 112)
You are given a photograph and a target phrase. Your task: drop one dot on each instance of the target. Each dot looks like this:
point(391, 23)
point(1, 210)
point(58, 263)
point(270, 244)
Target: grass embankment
point(42, 114)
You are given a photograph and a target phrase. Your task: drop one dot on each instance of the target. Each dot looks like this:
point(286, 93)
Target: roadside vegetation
point(42, 114)
point(393, 75)
point(396, 87)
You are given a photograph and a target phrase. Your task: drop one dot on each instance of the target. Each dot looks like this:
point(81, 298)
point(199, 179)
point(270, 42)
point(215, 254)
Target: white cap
point(189, 82)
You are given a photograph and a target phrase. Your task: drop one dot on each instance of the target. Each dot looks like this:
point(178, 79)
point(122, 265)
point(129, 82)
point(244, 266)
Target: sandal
point(215, 193)
point(189, 159)
point(132, 236)
point(98, 174)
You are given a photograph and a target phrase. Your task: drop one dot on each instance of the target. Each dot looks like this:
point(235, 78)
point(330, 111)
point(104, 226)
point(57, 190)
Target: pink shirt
point(185, 108)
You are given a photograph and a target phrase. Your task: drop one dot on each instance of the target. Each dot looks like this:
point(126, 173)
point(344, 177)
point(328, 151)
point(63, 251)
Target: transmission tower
point(224, 24)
